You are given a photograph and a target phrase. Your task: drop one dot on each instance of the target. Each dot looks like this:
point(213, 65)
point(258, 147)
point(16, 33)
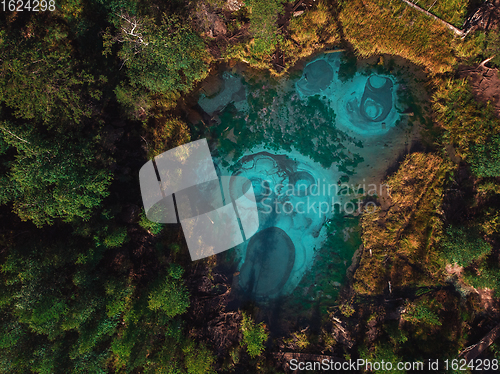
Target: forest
point(93, 89)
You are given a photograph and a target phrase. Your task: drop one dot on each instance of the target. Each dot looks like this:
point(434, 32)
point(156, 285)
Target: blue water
point(291, 138)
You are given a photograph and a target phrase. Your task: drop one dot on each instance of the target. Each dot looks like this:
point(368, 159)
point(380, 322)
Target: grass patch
point(383, 26)
point(451, 11)
point(310, 32)
point(398, 242)
point(471, 126)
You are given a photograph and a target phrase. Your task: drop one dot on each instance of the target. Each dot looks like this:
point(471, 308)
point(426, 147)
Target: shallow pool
point(298, 141)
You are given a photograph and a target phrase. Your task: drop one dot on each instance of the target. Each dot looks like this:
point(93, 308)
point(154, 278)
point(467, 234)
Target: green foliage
point(495, 350)
point(347, 310)
point(115, 6)
point(491, 217)
point(12, 332)
point(49, 180)
point(166, 58)
point(397, 335)
point(169, 296)
point(46, 315)
point(116, 238)
point(118, 297)
point(485, 158)
point(471, 49)
point(174, 248)
point(153, 227)
point(177, 354)
point(493, 47)
point(469, 124)
point(93, 332)
point(328, 339)
point(263, 15)
point(164, 133)
point(382, 352)
point(134, 100)
point(312, 31)
point(175, 271)
point(39, 79)
point(60, 325)
point(158, 345)
point(150, 338)
point(486, 276)
point(265, 36)
point(299, 339)
point(72, 300)
point(409, 229)
point(127, 348)
point(420, 313)
point(198, 359)
point(254, 335)
point(463, 246)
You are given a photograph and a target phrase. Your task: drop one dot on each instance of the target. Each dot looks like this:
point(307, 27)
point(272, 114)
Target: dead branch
point(483, 64)
point(129, 30)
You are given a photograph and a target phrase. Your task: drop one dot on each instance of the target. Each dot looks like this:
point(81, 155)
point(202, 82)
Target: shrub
point(116, 238)
point(263, 15)
point(485, 158)
point(254, 336)
point(417, 313)
point(170, 296)
point(347, 310)
point(164, 133)
point(463, 246)
point(469, 125)
point(153, 227)
point(175, 271)
point(198, 359)
point(485, 277)
point(310, 32)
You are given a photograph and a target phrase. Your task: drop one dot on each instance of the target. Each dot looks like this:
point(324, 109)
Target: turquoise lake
point(315, 145)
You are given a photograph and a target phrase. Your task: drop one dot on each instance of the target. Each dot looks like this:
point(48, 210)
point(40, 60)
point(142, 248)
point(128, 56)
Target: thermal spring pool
point(313, 145)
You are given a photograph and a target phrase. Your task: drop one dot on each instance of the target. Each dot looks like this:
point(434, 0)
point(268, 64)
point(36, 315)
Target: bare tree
point(131, 30)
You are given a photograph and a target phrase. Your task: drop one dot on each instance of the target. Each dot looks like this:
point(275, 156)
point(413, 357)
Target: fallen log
point(471, 352)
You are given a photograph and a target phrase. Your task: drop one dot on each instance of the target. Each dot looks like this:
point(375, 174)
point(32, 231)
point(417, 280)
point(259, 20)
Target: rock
point(215, 25)
point(219, 27)
point(233, 5)
point(210, 21)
